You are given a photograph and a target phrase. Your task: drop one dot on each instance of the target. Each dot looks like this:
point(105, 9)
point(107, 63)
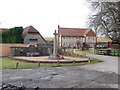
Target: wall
point(34, 36)
point(5, 49)
point(90, 39)
point(72, 40)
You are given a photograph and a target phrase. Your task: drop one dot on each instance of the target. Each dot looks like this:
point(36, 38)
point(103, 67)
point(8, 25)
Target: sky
point(44, 15)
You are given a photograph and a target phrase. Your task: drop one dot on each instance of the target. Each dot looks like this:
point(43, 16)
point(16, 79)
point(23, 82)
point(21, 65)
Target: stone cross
point(55, 43)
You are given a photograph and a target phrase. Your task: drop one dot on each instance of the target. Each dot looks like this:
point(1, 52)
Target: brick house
point(32, 36)
point(75, 37)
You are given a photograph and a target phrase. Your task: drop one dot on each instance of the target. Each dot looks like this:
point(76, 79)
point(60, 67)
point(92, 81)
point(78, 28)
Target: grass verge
point(7, 63)
point(84, 51)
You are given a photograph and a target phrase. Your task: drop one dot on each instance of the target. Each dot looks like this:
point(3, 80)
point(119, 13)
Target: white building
point(75, 37)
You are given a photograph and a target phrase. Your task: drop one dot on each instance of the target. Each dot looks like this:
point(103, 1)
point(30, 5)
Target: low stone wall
point(31, 50)
point(5, 49)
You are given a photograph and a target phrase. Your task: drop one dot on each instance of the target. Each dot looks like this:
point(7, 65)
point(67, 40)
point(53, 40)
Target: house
point(76, 37)
point(32, 36)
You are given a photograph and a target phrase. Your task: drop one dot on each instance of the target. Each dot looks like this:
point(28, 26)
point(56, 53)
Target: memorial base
point(54, 57)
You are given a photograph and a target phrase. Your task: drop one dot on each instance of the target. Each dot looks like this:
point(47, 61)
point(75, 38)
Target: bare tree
point(106, 19)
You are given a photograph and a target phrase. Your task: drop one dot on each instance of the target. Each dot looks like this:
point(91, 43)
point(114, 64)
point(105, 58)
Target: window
point(33, 40)
point(64, 44)
point(77, 37)
point(65, 38)
point(69, 38)
point(91, 38)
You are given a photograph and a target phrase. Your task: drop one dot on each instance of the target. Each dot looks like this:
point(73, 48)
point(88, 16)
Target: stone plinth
point(52, 56)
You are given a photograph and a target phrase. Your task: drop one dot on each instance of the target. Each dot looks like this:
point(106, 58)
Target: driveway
point(109, 64)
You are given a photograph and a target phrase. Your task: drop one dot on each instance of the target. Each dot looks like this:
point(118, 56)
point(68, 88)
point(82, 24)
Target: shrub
point(13, 35)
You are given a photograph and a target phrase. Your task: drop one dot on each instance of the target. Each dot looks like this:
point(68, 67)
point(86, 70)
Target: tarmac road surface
point(109, 64)
point(60, 77)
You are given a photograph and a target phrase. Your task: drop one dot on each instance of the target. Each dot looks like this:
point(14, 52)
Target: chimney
point(58, 26)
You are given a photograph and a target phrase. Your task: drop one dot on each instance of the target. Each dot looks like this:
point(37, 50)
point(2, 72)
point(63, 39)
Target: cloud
point(44, 15)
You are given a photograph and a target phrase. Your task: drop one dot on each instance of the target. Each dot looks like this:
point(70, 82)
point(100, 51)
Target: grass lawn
point(103, 39)
point(7, 63)
point(84, 51)
point(49, 38)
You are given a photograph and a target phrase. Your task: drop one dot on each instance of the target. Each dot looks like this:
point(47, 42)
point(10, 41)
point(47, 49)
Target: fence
point(111, 52)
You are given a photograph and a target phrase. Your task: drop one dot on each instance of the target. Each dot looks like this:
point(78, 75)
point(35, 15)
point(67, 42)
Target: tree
point(106, 19)
point(13, 35)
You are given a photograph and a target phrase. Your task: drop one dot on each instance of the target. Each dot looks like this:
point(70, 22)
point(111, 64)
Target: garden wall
point(5, 49)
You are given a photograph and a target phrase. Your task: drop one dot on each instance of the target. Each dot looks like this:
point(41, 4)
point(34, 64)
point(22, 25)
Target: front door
point(78, 44)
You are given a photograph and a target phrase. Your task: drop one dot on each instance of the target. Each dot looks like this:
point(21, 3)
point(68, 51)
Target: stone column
point(55, 43)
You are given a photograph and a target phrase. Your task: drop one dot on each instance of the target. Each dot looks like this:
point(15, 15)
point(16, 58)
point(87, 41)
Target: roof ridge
point(73, 31)
point(74, 28)
point(29, 29)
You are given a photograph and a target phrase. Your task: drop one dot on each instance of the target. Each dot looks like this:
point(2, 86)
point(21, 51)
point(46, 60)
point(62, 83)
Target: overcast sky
point(44, 15)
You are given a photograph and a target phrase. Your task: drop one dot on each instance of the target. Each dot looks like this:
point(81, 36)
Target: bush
point(13, 35)
point(115, 46)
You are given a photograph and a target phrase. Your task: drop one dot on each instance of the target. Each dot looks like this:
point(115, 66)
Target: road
point(60, 77)
point(100, 75)
point(109, 64)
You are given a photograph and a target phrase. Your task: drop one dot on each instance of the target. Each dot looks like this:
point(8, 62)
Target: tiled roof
point(73, 31)
point(29, 29)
